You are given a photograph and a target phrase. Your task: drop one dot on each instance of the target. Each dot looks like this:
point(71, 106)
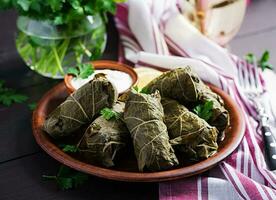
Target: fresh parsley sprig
point(69, 148)
point(82, 70)
point(108, 114)
point(67, 178)
point(263, 62)
point(32, 106)
point(144, 90)
point(8, 96)
point(204, 111)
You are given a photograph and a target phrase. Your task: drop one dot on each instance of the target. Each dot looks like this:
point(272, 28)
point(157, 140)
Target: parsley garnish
point(32, 106)
point(204, 111)
point(82, 71)
point(68, 178)
point(9, 96)
point(108, 114)
point(250, 58)
point(144, 90)
point(263, 62)
point(69, 148)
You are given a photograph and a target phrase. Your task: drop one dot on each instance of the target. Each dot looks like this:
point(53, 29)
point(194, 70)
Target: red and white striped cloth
point(154, 34)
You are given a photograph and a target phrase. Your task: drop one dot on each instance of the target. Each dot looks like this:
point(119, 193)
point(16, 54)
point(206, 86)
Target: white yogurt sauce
point(121, 80)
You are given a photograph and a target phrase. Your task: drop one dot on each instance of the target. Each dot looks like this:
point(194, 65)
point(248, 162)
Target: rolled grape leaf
point(191, 135)
point(220, 116)
point(176, 84)
point(81, 107)
point(144, 118)
point(183, 85)
point(104, 139)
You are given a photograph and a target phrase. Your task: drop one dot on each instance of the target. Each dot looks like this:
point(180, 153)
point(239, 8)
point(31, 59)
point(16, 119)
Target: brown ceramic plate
point(128, 172)
point(105, 64)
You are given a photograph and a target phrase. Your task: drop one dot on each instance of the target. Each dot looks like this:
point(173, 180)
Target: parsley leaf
point(136, 88)
point(250, 57)
point(25, 4)
point(262, 62)
point(68, 178)
point(32, 106)
point(144, 90)
point(82, 71)
point(9, 96)
point(108, 114)
point(204, 111)
point(69, 148)
point(85, 70)
point(74, 71)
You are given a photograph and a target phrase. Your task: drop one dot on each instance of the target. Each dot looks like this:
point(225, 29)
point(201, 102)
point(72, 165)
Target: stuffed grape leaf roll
point(191, 135)
point(183, 85)
point(80, 107)
point(104, 139)
point(176, 84)
point(144, 118)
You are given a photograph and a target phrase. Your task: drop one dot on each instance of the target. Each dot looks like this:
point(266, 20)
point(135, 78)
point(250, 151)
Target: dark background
point(22, 162)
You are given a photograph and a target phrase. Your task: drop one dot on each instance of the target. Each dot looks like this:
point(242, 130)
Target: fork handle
point(270, 147)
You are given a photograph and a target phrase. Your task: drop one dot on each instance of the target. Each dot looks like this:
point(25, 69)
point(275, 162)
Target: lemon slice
point(145, 75)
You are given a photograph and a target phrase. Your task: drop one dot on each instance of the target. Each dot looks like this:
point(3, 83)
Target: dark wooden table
point(22, 162)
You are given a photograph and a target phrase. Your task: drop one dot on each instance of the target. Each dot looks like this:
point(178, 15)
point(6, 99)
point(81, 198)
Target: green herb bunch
point(60, 11)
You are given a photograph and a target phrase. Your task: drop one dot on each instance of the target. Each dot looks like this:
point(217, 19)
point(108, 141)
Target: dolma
point(176, 84)
point(80, 107)
point(191, 135)
point(104, 139)
point(144, 118)
point(183, 85)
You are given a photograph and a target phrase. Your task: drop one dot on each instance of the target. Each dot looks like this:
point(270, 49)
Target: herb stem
point(57, 60)
point(86, 51)
point(49, 177)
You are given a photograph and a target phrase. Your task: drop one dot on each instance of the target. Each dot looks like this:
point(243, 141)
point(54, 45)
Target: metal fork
point(250, 84)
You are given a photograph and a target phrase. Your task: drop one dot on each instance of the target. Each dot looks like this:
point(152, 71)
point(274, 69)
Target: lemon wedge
point(145, 75)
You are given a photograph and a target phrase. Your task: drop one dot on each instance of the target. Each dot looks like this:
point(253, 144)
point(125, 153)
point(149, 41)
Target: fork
point(250, 84)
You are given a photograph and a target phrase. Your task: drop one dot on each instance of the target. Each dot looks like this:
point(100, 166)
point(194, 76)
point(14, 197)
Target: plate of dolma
point(149, 135)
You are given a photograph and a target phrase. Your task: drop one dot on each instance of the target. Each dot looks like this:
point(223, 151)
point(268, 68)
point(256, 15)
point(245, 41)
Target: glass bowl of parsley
point(56, 35)
point(49, 49)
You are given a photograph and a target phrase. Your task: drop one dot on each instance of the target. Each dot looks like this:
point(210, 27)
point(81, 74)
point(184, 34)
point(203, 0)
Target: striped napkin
point(155, 34)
